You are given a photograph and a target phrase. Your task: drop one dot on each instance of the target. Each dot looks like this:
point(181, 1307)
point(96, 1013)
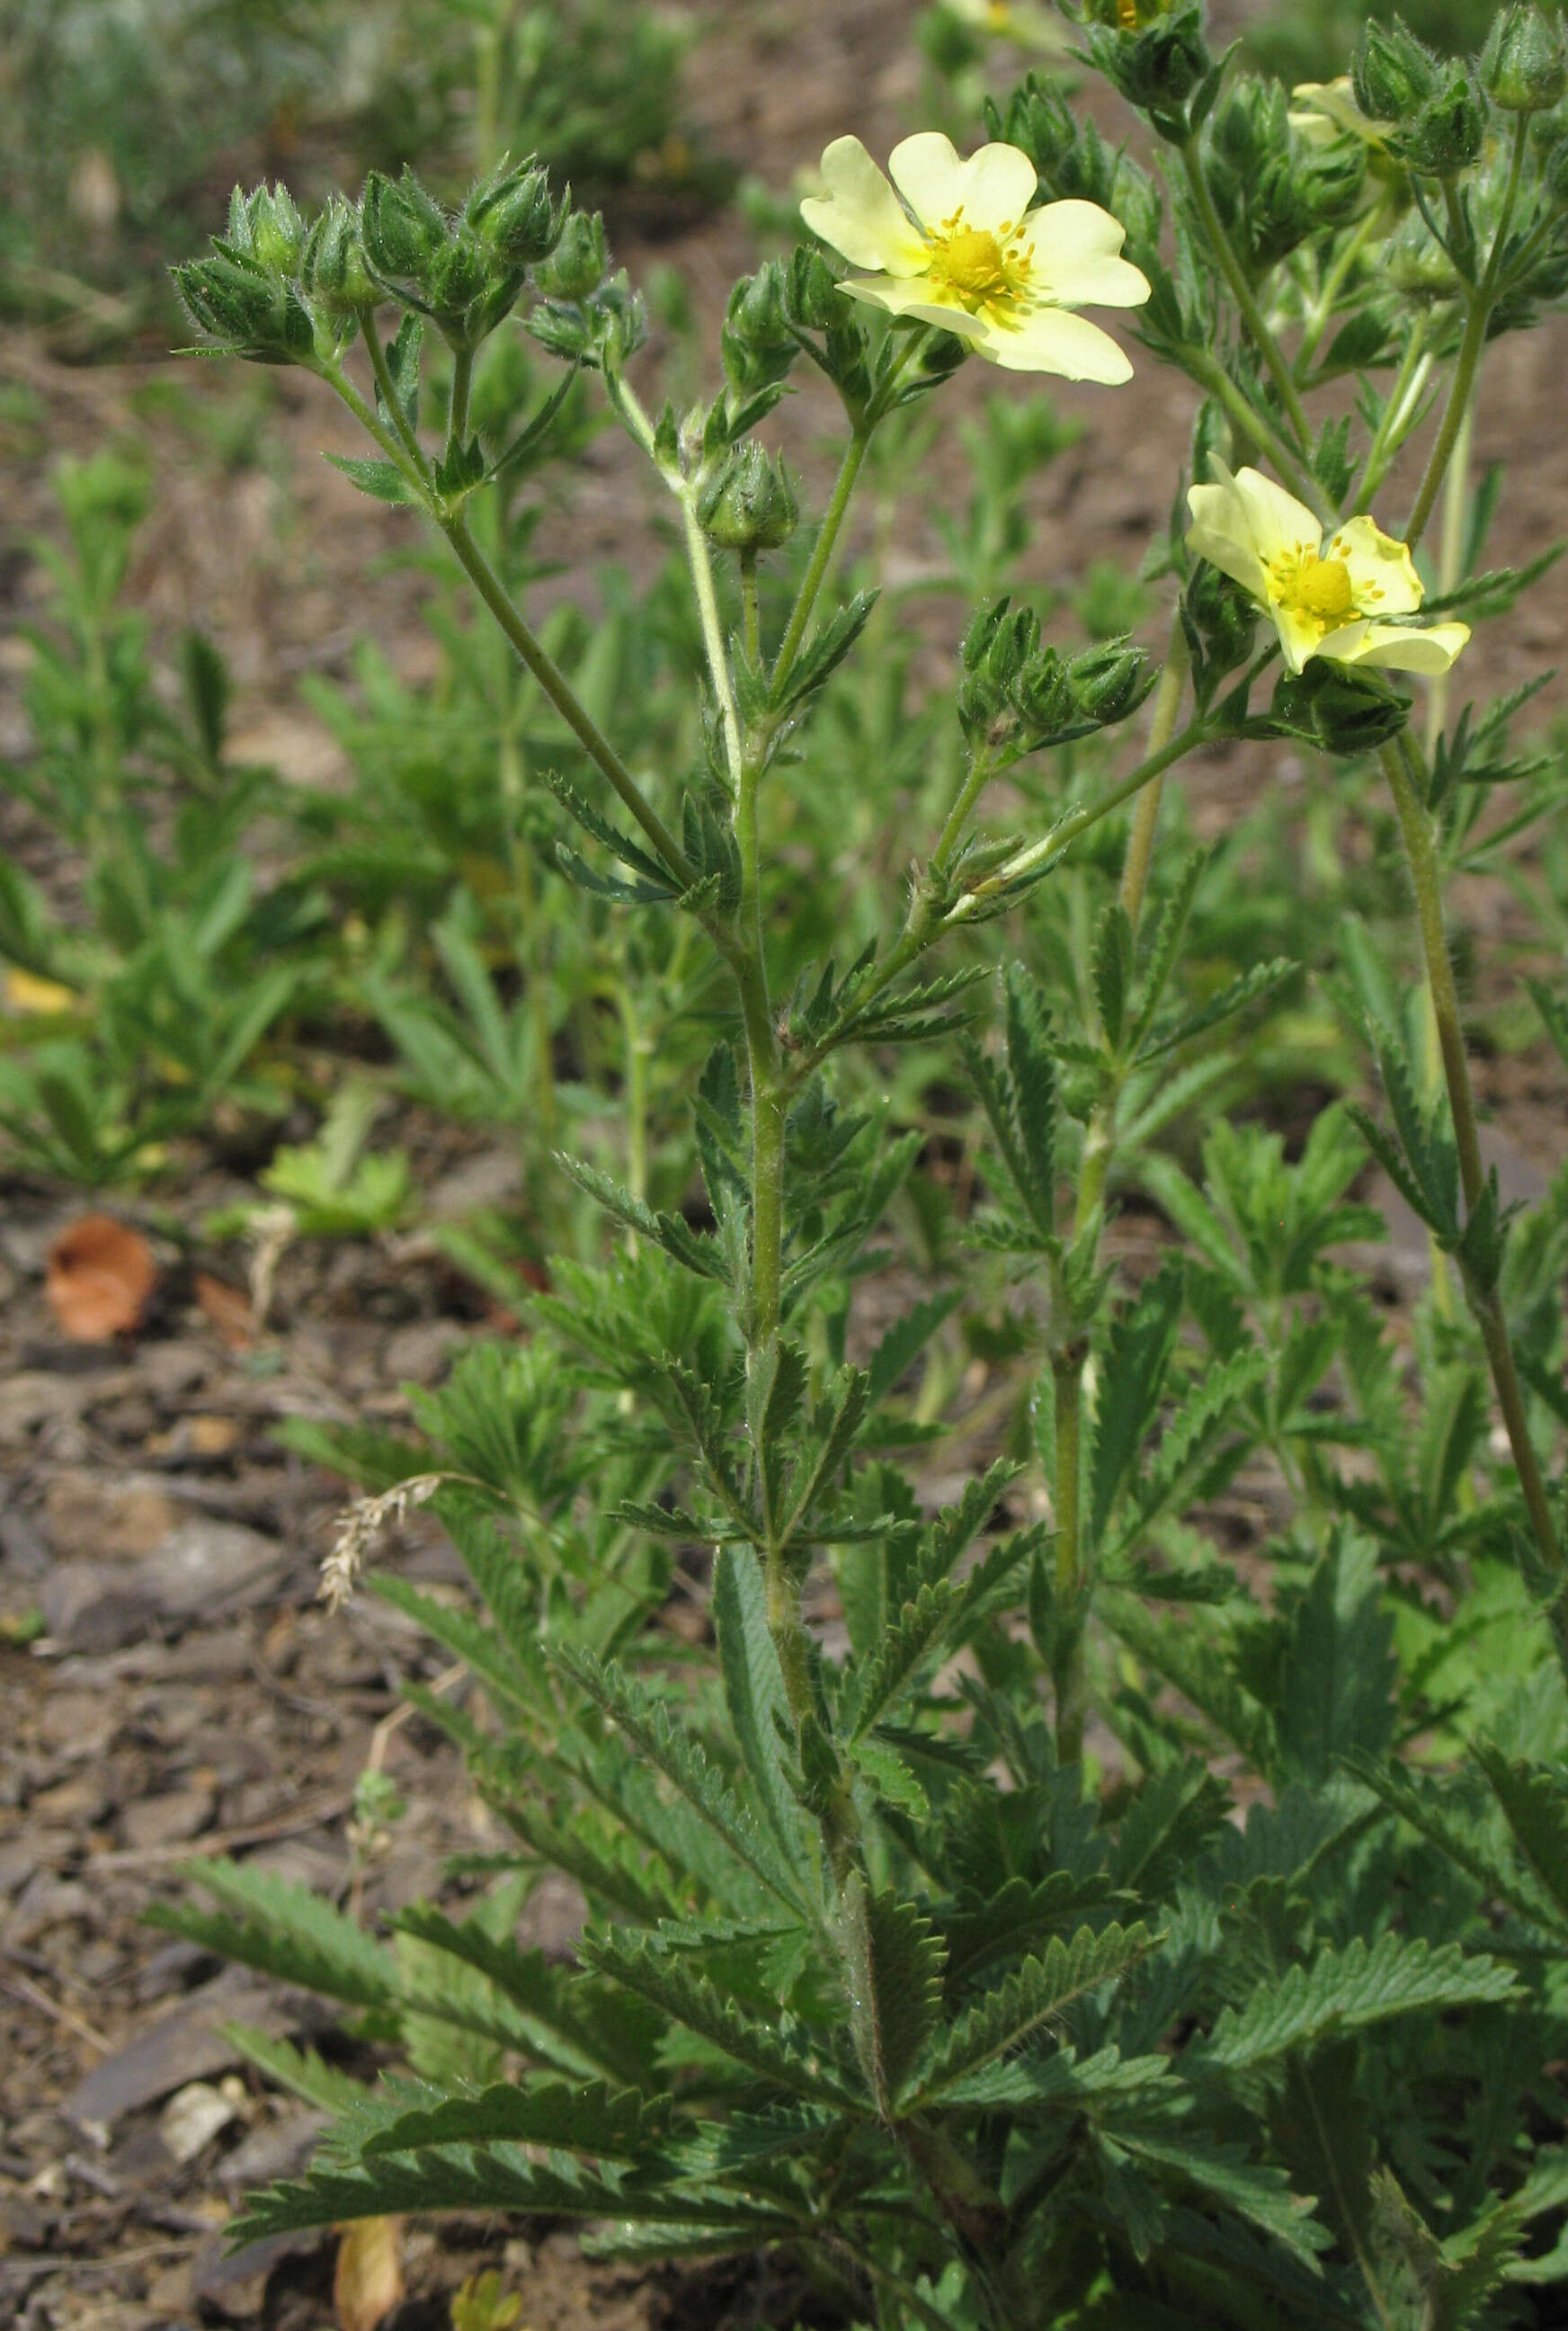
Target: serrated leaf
point(1256, 2191)
point(605, 2124)
point(780, 2051)
point(1249, 987)
point(284, 1930)
point(1346, 1991)
point(894, 1962)
point(1534, 1803)
point(1041, 1988)
point(1126, 1400)
point(823, 653)
point(754, 1694)
point(384, 481)
point(904, 1342)
point(650, 1728)
point(1111, 970)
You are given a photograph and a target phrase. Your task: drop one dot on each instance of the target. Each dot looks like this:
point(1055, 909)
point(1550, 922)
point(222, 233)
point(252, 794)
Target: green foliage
point(1148, 1907)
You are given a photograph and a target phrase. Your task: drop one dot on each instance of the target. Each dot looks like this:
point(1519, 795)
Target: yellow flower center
point(979, 268)
point(1319, 587)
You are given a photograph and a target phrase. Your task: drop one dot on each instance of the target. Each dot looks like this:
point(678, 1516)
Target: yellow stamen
point(1314, 586)
point(980, 267)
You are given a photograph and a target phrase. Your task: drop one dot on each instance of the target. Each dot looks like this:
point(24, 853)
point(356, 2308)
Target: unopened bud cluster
point(1017, 695)
point(1158, 58)
point(283, 292)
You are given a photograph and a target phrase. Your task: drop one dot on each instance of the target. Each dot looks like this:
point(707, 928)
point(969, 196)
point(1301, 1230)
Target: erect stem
point(1403, 396)
point(1069, 1361)
point(553, 683)
point(970, 786)
point(1322, 314)
point(408, 436)
point(1478, 306)
point(1099, 1143)
point(701, 566)
point(1415, 827)
point(750, 621)
point(1068, 1678)
point(463, 373)
point(1235, 274)
point(822, 554)
point(1066, 830)
point(1245, 417)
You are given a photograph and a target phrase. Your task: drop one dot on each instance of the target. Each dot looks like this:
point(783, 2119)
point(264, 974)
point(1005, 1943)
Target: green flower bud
point(1158, 67)
point(1040, 123)
point(404, 230)
point(244, 310)
point(1109, 682)
point(267, 227)
point(332, 267)
point(1391, 73)
point(1045, 699)
point(749, 504)
point(812, 299)
point(1224, 617)
point(513, 215)
point(757, 344)
point(1522, 66)
point(1340, 710)
point(1450, 131)
point(1415, 264)
point(1551, 136)
point(580, 261)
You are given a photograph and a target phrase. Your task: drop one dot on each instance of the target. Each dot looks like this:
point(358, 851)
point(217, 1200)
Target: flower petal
point(1279, 524)
point(1075, 260)
point(1399, 647)
point(1219, 532)
point(917, 296)
point(1301, 637)
point(1053, 340)
point(861, 215)
point(1383, 573)
point(993, 188)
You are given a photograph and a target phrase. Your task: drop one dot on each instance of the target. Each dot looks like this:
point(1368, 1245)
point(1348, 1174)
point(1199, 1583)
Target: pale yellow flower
point(962, 249)
point(1329, 595)
point(1323, 111)
point(1023, 21)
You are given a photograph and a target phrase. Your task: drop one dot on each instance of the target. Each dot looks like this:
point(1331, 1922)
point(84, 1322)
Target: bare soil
point(190, 1697)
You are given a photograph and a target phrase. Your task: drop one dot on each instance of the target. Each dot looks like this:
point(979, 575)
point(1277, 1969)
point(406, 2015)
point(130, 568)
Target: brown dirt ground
point(232, 1715)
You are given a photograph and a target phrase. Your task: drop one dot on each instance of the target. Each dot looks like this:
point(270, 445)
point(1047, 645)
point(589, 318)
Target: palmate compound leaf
point(935, 1621)
point(1345, 1990)
point(675, 1754)
point(781, 2051)
point(984, 1926)
point(1042, 1987)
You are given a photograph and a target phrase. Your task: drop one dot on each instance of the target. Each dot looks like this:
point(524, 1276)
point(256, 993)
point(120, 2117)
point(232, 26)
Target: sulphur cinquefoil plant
point(926, 1940)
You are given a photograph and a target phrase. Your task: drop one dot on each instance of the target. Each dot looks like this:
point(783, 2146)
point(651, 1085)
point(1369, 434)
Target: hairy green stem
point(1069, 1683)
point(1404, 394)
point(1333, 283)
point(463, 373)
point(1066, 829)
point(1235, 274)
point(1426, 880)
point(700, 562)
point(553, 683)
point(1214, 378)
point(407, 433)
point(970, 786)
point(822, 554)
point(1099, 1143)
point(750, 620)
point(1478, 306)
